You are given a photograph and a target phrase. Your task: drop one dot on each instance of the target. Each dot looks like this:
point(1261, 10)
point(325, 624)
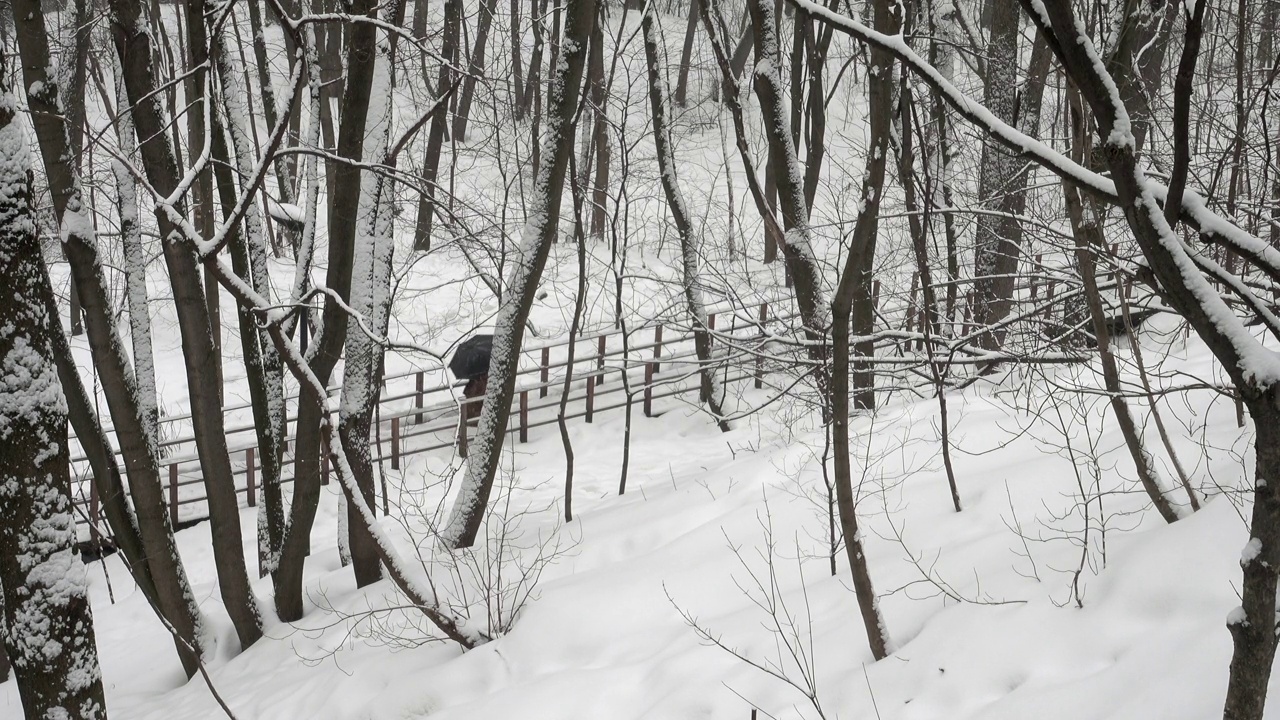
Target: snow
point(1138, 635)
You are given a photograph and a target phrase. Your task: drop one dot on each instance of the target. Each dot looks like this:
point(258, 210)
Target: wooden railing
point(418, 413)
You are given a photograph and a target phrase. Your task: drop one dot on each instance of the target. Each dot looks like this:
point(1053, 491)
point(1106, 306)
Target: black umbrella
point(471, 359)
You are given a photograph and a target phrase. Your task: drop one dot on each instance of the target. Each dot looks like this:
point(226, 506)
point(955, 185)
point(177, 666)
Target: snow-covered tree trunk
point(531, 257)
point(123, 390)
point(371, 299)
point(712, 392)
point(249, 259)
point(194, 322)
point(851, 302)
point(313, 417)
point(48, 626)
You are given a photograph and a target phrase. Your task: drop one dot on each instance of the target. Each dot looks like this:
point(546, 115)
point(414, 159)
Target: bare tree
point(1184, 276)
point(126, 400)
point(544, 216)
point(712, 392)
point(313, 415)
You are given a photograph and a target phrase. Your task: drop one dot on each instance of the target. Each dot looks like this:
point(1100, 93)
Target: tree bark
point(133, 47)
point(248, 251)
point(852, 307)
point(998, 238)
point(475, 70)
point(43, 587)
point(686, 55)
point(134, 431)
point(371, 297)
point(712, 392)
point(439, 124)
point(544, 215)
point(313, 416)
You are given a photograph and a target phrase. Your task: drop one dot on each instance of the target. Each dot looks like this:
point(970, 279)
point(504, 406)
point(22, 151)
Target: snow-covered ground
point(1055, 593)
point(1005, 610)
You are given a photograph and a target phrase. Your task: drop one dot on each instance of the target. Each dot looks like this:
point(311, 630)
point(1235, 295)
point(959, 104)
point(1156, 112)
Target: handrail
point(396, 406)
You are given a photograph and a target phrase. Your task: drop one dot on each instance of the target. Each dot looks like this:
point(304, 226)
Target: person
point(476, 387)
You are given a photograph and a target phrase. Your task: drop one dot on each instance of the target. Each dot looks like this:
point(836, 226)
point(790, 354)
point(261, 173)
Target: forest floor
point(1056, 592)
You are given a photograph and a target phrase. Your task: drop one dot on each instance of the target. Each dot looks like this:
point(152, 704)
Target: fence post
point(417, 401)
point(600, 364)
point(657, 349)
point(545, 376)
point(173, 495)
point(324, 456)
point(591, 396)
point(250, 493)
point(648, 389)
point(93, 513)
point(524, 416)
point(395, 443)
point(764, 317)
point(462, 432)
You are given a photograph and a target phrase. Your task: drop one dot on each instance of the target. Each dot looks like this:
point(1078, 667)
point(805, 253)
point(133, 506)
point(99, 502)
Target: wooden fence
point(417, 413)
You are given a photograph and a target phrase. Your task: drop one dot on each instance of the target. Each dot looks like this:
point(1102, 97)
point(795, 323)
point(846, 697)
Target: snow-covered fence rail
point(419, 411)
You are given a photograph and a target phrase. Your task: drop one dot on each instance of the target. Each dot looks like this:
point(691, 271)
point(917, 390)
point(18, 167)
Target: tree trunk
point(161, 167)
point(313, 417)
point(439, 124)
point(851, 306)
point(263, 370)
point(517, 62)
point(370, 296)
point(284, 170)
point(686, 55)
point(42, 583)
point(712, 392)
point(998, 237)
point(599, 95)
point(135, 432)
point(1088, 242)
point(544, 215)
point(475, 70)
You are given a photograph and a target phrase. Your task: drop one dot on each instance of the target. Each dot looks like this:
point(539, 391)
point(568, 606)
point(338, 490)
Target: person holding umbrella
point(471, 363)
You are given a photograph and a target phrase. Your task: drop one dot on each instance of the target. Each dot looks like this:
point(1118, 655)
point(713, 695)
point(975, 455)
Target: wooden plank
point(601, 354)
point(546, 362)
point(657, 349)
point(648, 389)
